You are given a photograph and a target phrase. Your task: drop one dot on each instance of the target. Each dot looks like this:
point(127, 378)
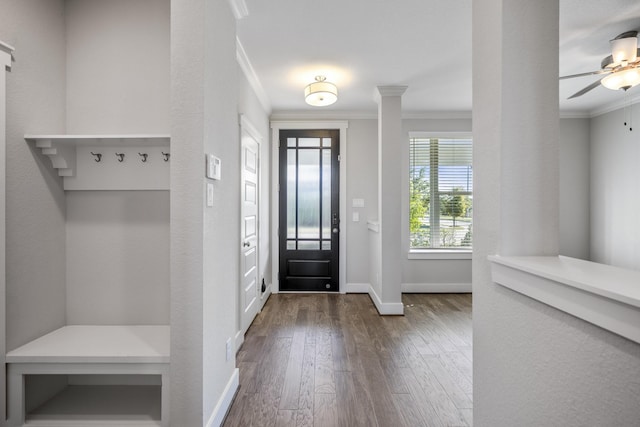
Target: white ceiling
point(423, 44)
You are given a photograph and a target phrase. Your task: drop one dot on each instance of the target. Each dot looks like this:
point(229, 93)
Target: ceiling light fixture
point(320, 93)
point(623, 79)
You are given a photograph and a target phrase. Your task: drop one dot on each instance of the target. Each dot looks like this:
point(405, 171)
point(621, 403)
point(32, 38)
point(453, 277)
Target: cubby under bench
point(107, 352)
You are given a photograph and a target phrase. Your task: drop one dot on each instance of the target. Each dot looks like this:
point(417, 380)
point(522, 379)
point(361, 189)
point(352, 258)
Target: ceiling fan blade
point(586, 89)
point(585, 74)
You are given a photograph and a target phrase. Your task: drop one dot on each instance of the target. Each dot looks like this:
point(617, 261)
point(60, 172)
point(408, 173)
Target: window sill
point(439, 254)
point(606, 296)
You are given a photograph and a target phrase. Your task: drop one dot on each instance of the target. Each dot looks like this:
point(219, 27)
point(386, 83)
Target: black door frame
point(306, 270)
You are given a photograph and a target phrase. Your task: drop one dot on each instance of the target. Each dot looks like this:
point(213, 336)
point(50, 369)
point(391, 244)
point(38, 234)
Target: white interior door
point(250, 190)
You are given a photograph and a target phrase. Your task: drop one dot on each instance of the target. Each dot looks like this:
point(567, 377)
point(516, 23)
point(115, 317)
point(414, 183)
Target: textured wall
point(118, 257)
point(35, 209)
point(118, 66)
point(574, 188)
point(35, 245)
point(118, 82)
point(615, 194)
point(204, 260)
point(222, 222)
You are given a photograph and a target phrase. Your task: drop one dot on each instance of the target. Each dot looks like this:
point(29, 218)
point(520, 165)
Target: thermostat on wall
point(214, 165)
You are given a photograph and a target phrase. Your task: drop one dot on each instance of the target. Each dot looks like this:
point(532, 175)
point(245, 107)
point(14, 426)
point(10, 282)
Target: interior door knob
point(246, 244)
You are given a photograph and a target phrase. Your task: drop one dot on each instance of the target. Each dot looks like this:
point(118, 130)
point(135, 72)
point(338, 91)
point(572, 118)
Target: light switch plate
point(357, 203)
point(209, 194)
point(214, 167)
point(356, 216)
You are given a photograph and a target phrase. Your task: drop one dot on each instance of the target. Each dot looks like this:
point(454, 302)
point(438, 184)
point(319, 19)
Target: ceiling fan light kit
point(320, 93)
point(623, 50)
point(622, 67)
point(623, 79)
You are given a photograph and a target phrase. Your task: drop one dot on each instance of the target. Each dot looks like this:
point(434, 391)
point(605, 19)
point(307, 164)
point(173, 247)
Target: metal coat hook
point(120, 157)
point(166, 156)
point(144, 156)
point(97, 156)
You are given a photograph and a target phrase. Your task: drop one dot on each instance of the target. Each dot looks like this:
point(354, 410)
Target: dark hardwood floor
point(328, 360)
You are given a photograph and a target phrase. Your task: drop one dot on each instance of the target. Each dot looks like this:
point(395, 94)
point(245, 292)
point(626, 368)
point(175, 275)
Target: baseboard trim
point(357, 288)
point(221, 409)
point(386, 309)
point(239, 340)
point(436, 288)
point(265, 296)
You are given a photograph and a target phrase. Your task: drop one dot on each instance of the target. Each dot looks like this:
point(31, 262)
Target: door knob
point(246, 244)
point(335, 230)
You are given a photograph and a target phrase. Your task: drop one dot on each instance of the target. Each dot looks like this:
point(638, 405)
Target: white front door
point(250, 190)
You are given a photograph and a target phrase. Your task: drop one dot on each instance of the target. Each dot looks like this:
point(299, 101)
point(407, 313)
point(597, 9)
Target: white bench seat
point(90, 350)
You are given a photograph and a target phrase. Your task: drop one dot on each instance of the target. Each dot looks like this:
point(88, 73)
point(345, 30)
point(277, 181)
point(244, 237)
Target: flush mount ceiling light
point(320, 93)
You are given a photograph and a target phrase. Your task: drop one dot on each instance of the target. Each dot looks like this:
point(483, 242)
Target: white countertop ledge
point(604, 295)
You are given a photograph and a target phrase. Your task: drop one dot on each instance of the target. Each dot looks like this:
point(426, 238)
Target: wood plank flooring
point(329, 360)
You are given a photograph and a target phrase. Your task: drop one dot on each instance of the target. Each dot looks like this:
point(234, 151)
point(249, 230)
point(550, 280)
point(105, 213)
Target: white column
point(390, 181)
point(515, 156)
point(5, 64)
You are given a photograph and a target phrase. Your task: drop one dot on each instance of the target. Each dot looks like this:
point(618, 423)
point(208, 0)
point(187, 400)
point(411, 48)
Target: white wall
point(117, 83)
point(117, 66)
point(362, 178)
point(574, 188)
point(35, 208)
point(35, 244)
point(204, 259)
point(118, 257)
point(615, 193)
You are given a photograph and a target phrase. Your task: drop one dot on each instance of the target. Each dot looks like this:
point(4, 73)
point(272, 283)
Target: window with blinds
point(441, 193)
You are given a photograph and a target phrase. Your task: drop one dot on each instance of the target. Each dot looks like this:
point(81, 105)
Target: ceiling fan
point(622, 67)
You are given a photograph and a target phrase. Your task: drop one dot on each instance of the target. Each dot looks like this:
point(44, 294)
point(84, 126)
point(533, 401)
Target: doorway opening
point(309, 206)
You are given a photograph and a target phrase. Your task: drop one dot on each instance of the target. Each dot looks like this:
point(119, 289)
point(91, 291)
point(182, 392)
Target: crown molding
point(613, 106)
point(575, 114)
point(239, 8)
point(322, 115)
point(366, 115)
point(436, 115)
point(252, 77)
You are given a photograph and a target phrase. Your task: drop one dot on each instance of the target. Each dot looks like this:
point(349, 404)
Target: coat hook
point(120, 156)
point(144, 156)
point(98, 156)
point(166, 156)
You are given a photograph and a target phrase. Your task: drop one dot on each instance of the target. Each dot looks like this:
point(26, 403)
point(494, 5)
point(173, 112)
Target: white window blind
point(441, 193)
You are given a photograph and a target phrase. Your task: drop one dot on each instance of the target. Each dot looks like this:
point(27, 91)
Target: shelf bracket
point(62, 157)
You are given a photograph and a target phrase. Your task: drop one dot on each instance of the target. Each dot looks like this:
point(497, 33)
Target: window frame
point(427, 253)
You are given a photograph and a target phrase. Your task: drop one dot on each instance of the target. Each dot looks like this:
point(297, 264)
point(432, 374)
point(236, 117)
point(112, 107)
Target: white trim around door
point(342, 126)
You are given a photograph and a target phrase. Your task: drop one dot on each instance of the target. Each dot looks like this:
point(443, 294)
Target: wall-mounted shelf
point(108, 162)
